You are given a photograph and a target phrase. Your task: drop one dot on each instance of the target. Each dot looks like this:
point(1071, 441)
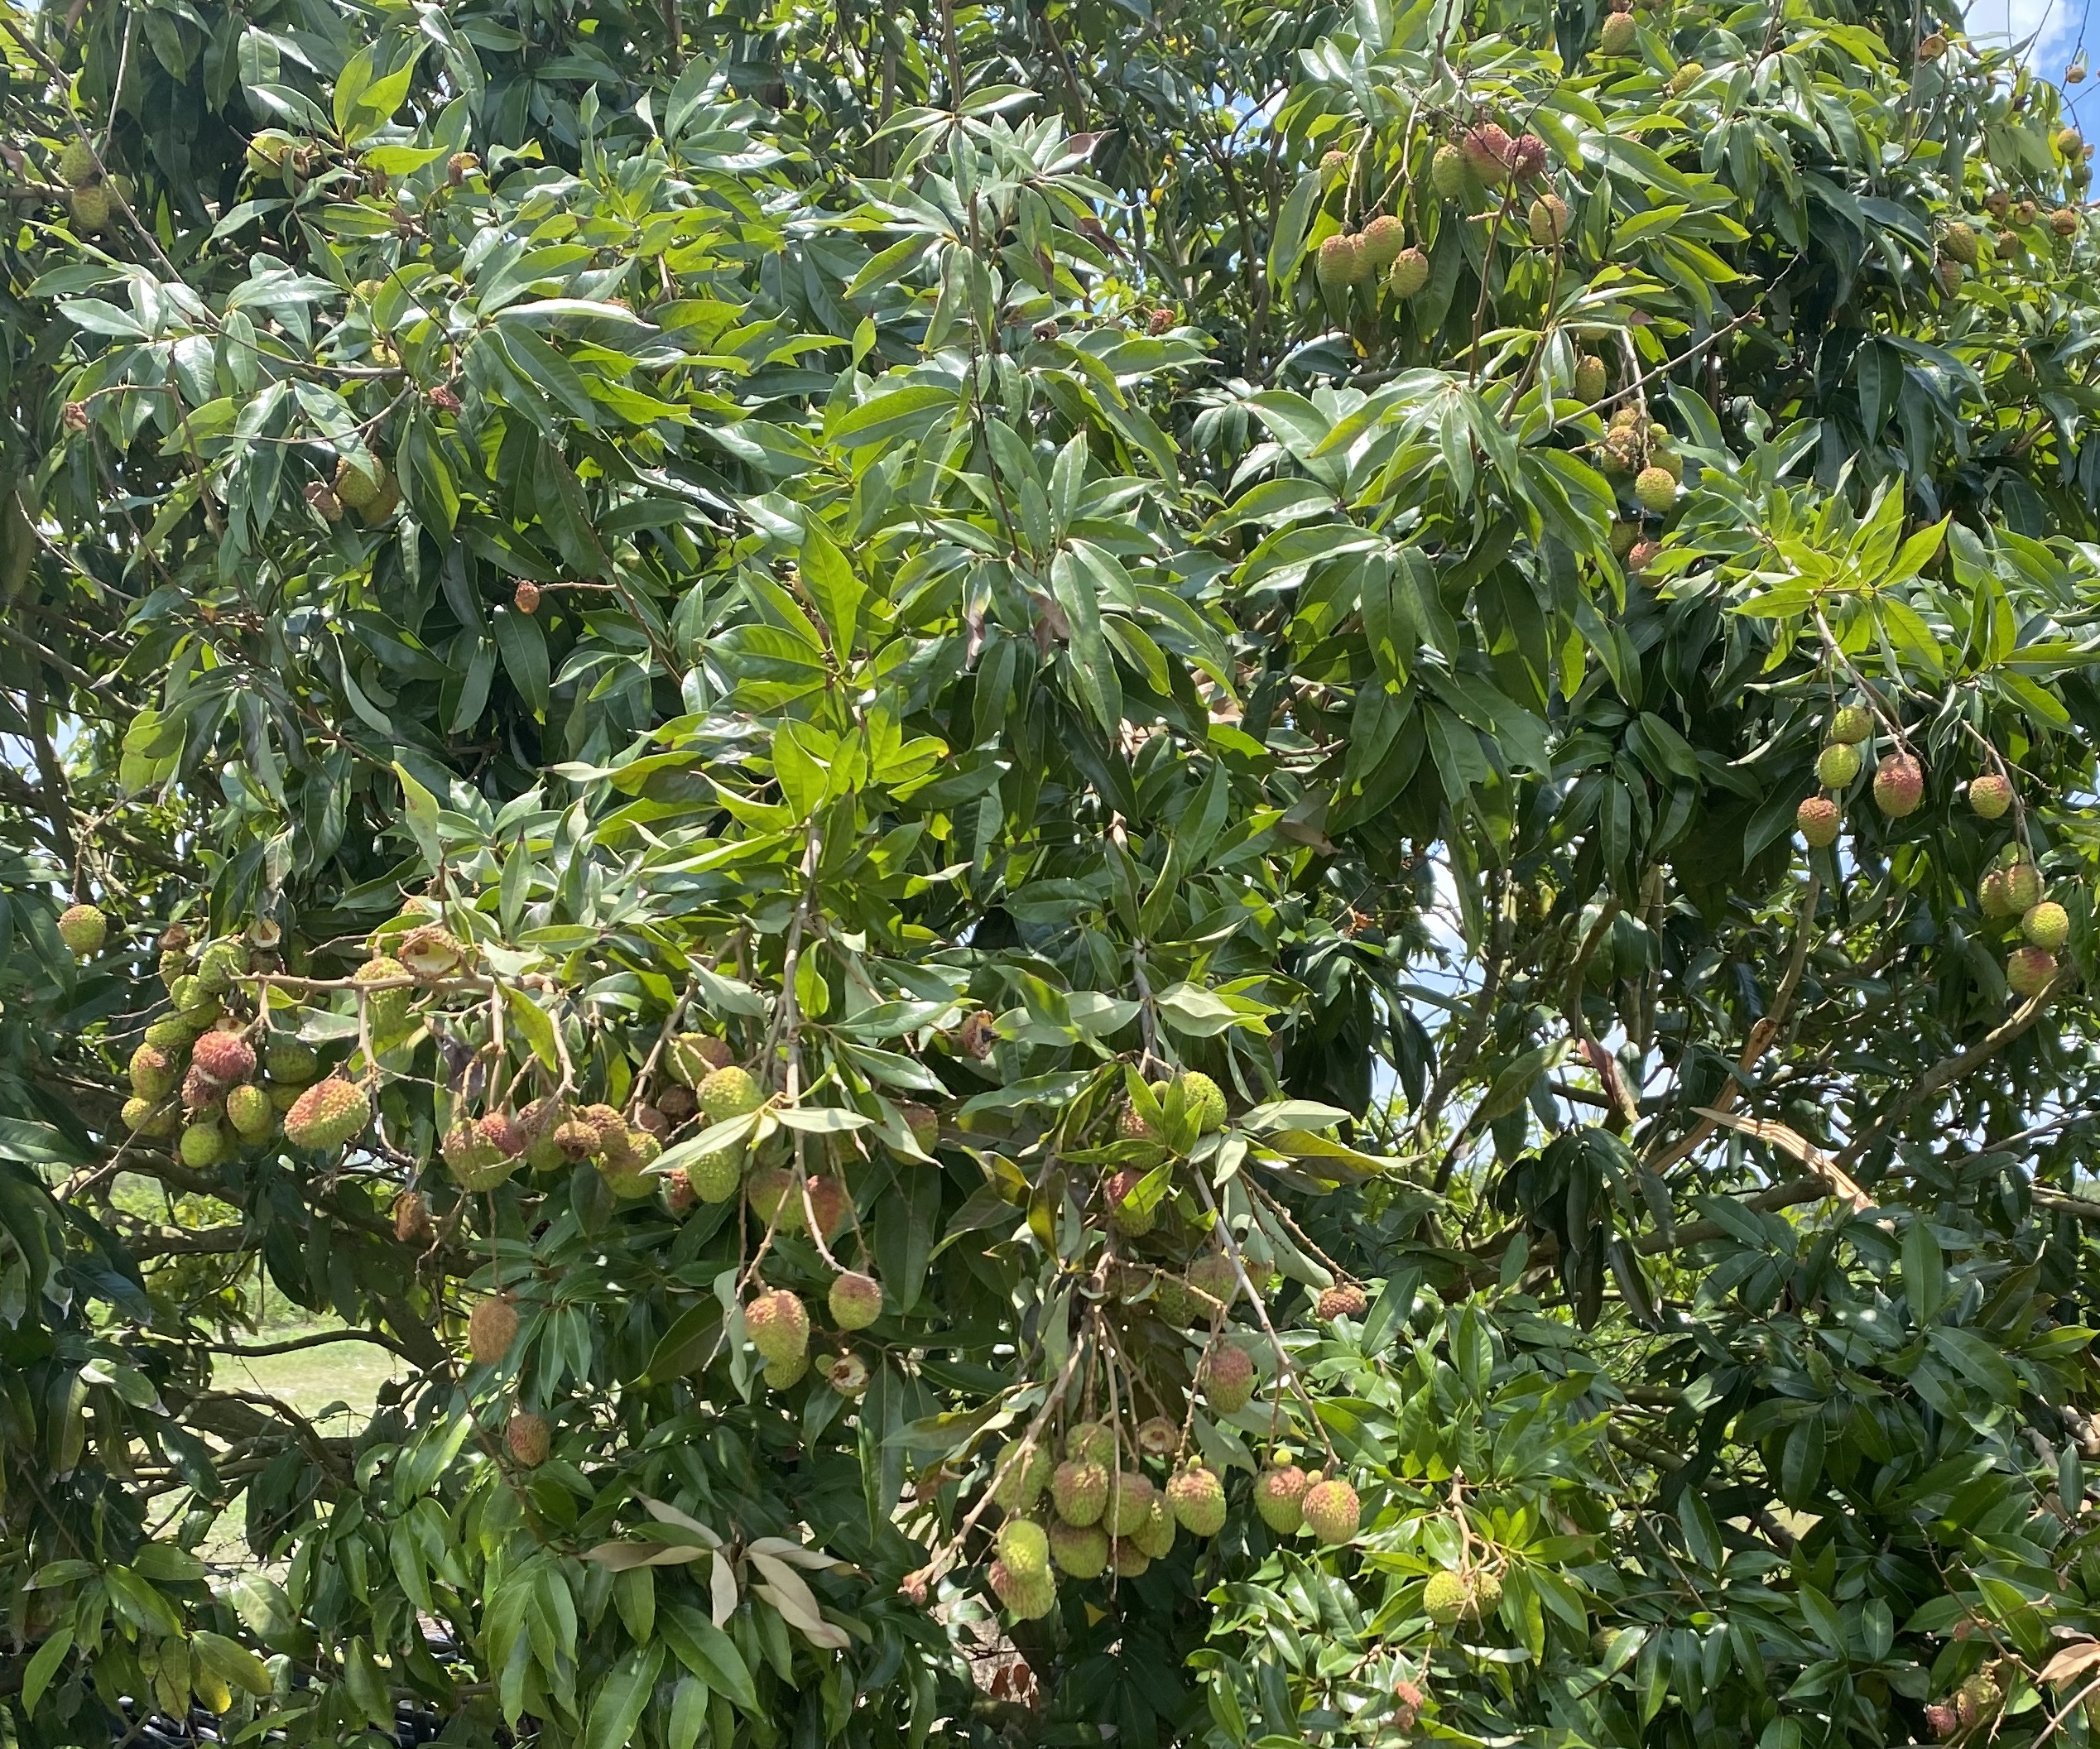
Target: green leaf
point(616, 1709)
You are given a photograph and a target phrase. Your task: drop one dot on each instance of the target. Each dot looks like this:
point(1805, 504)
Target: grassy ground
point(347, 1374)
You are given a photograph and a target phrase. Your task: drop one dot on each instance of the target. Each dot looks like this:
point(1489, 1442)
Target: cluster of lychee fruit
point(1898, 780)
point(1634, 444)
point(1107, 1516)
point(213, 1074)
point(86, 198)
point(373, 493)
point(1974, 1702)
point(778, 1325)
point(1961, 248)
point(2012, 888)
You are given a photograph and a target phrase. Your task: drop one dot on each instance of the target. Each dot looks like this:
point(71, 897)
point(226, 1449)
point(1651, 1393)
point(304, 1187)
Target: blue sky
point(2058, 28)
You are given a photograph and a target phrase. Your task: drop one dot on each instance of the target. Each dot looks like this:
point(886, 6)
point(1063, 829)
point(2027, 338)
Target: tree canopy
point(1189, 876)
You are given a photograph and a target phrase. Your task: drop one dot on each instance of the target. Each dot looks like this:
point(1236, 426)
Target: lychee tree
point(1221, 877)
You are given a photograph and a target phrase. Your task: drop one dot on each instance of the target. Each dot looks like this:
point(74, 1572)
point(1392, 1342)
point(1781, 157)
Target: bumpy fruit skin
point(1091, 1442)
point(1340, 263)
point(219, 968)
point(1279, 1496)
point(577, 1138)
point(1129, 1503)
point(924, 1122)
point(1942, 1720)
point(90, 209)
point(2030, 971)
point(1590, 379)
point(1226, 1374)
point(1818, 820)
point(1618, 34)
point(1197, 1499)
point(1960, 243)
point(290, 1065)
point(1686, 76)
point(1989, 796)
point(1130, 1561)
point(1080, 1489)
point(475, 1164)
point(715, 1177)
point(1381, 242)
point(1655, 487)
point(2047, 925)
point(2023, 888)
point(148, 1117)
point(529, 1438)
point(856, 1300)
point(1346, 1300)
point(1548, 220)
point(1994, 894)
point(76, 164)
point(1448, 171)
point(829, 1201)
point(1155, 1535)
point(1488, 150)
point(248, 1109)
point(2064, 222)
point(225, 1057)
point(152, 1072)
point(1019, 1475)
point(1899, 785)
point(775, 1198)
point(1081, 1550)
point(203, 1144)
point(1445, 1598)
point(779, 1374)
point(411, 1217)
point(1332, 1511)
point(356, 487)
point(779, 1325)
point(728, 1092)
point(1836, 765)
point(327, 1114)
point(1409, 273)
point(696, 1055)
point(1024, 1547)
point(1203, 1099)
point(1026, 1599)
point(84, 929)
point(1214, 1277)
point(491, 1327)
point(1641, 554)
point(388, 1008)
point(1527, 157)
point(1486, 1595)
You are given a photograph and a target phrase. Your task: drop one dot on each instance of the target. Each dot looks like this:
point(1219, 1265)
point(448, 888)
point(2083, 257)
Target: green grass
point(311, 1379)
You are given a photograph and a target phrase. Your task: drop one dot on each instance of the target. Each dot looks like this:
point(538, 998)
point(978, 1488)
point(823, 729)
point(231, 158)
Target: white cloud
point(2053, 25)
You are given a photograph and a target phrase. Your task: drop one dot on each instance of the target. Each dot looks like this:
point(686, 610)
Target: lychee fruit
point(1836, 765)
point(2047, 925)
point(1487, 151)
point(249, 1111)
point(203, 1144)
point(715, 1177)
point(1344, 1300)
point(1527, 157)
point(223, 1057)
point(2064, 221)
point(924, 1122)
point(1899, 784)
point(1279, 1497)
point(2023, 888)
point(1448, 171)
point(1340, 263)
point(1989, 796)
point(856, 1300)
point(1020, 1474)
point(528, 1437)
point(84, 929)
point(1547, 219)
point(327, 1114)
point(1960, 241)
point(1409, 273)
point(1656, 489)
point(728, 1092)
point(1619, 34)
point(1227, 1376)
point(1080, 1489)
point(1818, 819)
point(696, 1055)
point(1026, 1598)
point(1129, 1503)
point(1213, 1276)
point(76, 164)
point(1091, 1442)
point(1381, 242)
point(1641, 554)
point(90, 207)
point(491, 1327)
point(148, 1117)
point(1446, 1598)
point(1081, 1550)
point(388, 1008)
point(152, 1072)
point(526, 597)
point(2030, 971)
point(1129, 1561)
point(1592, 381)
point(778, 1325)
point(779, 1374)
point(1332, 1510)
point(1155, 1534)
point(847, 1375)
point(291, 1065)
point(411, 1217)
point(775, 1198)
point(220, 966)
point(1197, 1499)
point(1115, 1191)
point(1687, 75)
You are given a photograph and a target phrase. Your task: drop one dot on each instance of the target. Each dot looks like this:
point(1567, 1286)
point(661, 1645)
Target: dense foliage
point(814, 746)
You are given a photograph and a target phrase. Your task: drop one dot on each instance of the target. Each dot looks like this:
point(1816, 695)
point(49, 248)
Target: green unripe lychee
point(84, 929)
point(1340, 263)
point(716, 1177)
point(778, 1325)
point(1656, 489)
point(291, 1065)
point(1082, 1550)
point(1409, 273)
point(1960, 243)
point(170, 1034)
point(1197, 1499)
point(1279, 1497)
point(388, 1008)
point(1091, 1442)
point(1619, 34)
point(203, 1144)
point(1080, 1489)
point(90, 207)
point(1020, 1474)
point(1026, 1598)
point(1836, 765)
point(1851, 724)
point(149, 1116)
point(327, 1114)
point(249, 1111)
point(1590, 380)
point(1445, 1598)
point(221, 966)
point(1687, 75)
point(1448, 171)
point(153, 1073)
point(856, 1300)
point(728, 1092)
point(1989, 796)
point(2030, 971)
point(1332, 1510)
point(1129, 1505)
point(1117, 1191)
point(694, 1056)
point(2047, 925)
point(1381, 242)
point(1547, 219)
point(1023, 1547)
point(1155, 1532)
point(76, 164)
